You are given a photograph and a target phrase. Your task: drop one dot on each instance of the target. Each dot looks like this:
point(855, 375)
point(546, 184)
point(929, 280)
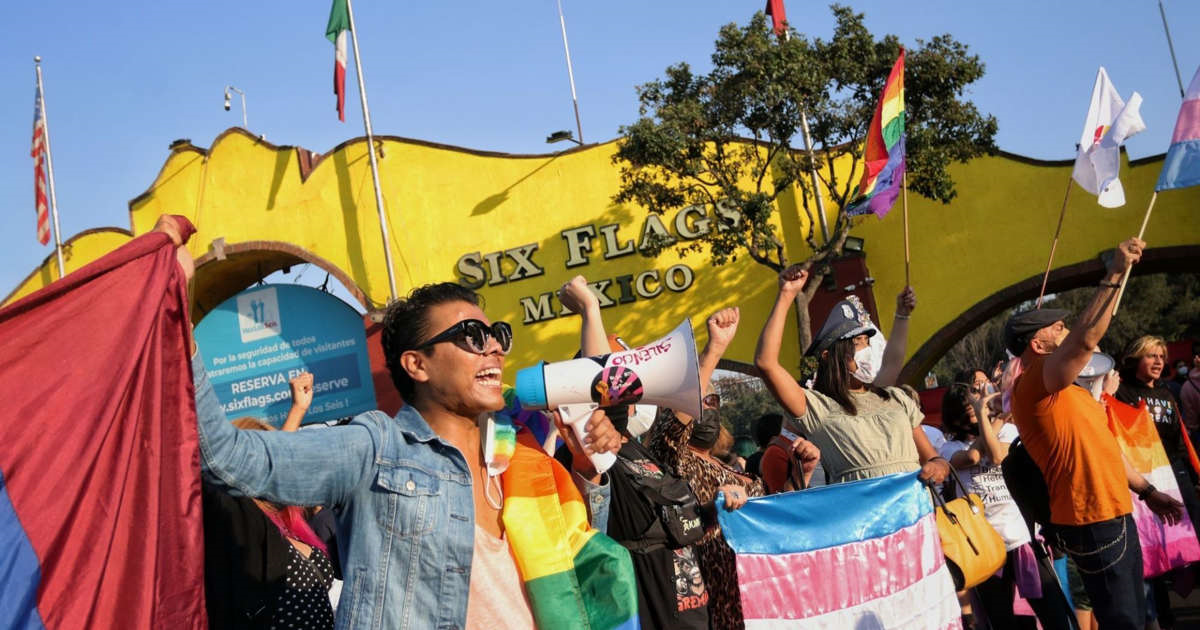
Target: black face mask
point(707, 429)
point(619, 417)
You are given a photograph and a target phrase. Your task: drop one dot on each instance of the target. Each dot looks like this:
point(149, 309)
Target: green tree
point(726, 138)
point(743, 402)
point(1166, 305)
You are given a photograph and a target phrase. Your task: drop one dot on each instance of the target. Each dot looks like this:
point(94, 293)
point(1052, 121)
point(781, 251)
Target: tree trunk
point(803, 322)
point(804, 335)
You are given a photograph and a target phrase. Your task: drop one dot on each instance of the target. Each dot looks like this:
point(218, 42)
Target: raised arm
point(1065, 363)
point(302, 397)
point(577, 296)
point(766, 356)
point(897, 344)
point(989, 443)
point(722, 326)
point(305, 468)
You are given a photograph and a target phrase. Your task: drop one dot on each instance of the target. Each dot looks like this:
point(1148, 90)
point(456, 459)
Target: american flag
point(39, 169)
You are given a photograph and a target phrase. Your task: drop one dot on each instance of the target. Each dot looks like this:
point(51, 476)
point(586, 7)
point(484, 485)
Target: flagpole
point(62, 269)
point(1054, 244)
point(570, 71)
point(362, 94)
point(1171, 47)
point(1141, 232)
point(812, 173)
point(904, 205)
point(808, 146)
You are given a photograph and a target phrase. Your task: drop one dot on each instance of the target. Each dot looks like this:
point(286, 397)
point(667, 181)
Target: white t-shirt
point(936, 437)
point(987, 481)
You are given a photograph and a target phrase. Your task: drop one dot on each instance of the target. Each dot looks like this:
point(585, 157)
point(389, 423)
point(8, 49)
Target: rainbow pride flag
point(883, 156)
point(575, 577)
point(1181, 168)
point(864, 554)
point(1164, 547)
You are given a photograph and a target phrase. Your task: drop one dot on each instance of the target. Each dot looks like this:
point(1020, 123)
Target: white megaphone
point(1091, 377)
point(665, 373)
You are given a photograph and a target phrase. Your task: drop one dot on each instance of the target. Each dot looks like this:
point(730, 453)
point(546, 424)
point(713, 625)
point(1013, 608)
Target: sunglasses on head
point(474, 335)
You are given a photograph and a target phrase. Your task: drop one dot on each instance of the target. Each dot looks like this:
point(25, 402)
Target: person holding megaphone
point(686, 445)
point(862, 430)
point(654, 512)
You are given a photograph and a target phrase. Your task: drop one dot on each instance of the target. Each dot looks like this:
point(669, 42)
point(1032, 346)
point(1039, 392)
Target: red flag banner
point(99, 458)
point(778, 16)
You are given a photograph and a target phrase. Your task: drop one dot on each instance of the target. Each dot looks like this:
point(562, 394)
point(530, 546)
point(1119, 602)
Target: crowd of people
point(410, 514)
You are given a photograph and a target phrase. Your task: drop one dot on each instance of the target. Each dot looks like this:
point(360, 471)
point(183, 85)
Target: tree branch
point(761, 259)
point(771, 153)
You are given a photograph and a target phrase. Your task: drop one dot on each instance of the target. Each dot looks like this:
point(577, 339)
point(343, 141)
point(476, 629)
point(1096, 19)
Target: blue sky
point(124, 79)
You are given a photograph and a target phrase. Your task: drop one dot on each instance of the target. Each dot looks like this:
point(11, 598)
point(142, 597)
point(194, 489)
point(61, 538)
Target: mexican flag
point(335, 31)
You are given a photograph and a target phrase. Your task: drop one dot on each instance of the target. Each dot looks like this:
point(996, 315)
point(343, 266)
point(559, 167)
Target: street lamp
point(559, 136)
point(245, 125)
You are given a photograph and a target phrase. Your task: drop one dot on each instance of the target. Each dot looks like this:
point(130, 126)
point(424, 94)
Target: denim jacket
point(405, 505)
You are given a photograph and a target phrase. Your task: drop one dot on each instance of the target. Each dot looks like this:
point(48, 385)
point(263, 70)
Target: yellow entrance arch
point(517, 226)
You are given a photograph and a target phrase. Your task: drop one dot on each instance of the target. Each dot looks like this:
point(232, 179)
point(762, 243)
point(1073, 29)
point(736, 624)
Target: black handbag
point(676, 505)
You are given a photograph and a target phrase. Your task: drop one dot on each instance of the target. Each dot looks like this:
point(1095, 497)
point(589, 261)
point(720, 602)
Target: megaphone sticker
point(642, 354)
point(616, 386)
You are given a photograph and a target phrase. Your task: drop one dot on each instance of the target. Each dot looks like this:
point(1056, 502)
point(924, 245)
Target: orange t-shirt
point(1067, 434)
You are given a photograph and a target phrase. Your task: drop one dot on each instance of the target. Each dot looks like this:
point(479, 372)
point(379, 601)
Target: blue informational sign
point(257, 340)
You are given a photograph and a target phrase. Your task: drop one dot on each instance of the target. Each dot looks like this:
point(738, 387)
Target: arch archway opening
point(1177, 259)
point(221, 274)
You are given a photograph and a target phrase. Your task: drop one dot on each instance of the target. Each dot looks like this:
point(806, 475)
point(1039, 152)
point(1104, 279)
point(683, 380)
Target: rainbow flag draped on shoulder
point(575, 577)
point(883, 156)
point(864, 554)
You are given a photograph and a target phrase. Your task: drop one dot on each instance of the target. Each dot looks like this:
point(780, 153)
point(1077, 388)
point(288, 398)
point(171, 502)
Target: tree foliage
point(743, 402)
point(731, 138)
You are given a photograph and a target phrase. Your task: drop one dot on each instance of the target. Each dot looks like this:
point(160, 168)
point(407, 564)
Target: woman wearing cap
point(863, 431)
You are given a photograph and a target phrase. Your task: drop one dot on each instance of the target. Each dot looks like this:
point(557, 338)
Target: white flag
point(1109, 122)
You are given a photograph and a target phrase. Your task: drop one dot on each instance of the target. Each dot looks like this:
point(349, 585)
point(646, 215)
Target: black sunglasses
point(475, 335)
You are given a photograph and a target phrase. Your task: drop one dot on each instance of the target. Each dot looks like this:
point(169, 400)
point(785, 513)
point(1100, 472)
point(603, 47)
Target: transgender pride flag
point(1164, 547)
point(863, 555)
point(1181, 168)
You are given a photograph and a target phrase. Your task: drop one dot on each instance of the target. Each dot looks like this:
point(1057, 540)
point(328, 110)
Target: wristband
point(899, 316)
point(1146, 492)
point(1110, 285)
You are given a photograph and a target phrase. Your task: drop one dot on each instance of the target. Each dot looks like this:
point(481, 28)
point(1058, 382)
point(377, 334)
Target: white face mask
point(498, 438)
point(868, 362)
point(641, 419)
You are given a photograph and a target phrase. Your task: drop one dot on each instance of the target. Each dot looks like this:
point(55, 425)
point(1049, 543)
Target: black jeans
point(1109, 557)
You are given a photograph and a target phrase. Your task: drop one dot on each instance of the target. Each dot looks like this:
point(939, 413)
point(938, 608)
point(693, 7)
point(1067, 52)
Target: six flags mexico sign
point(477, 270)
